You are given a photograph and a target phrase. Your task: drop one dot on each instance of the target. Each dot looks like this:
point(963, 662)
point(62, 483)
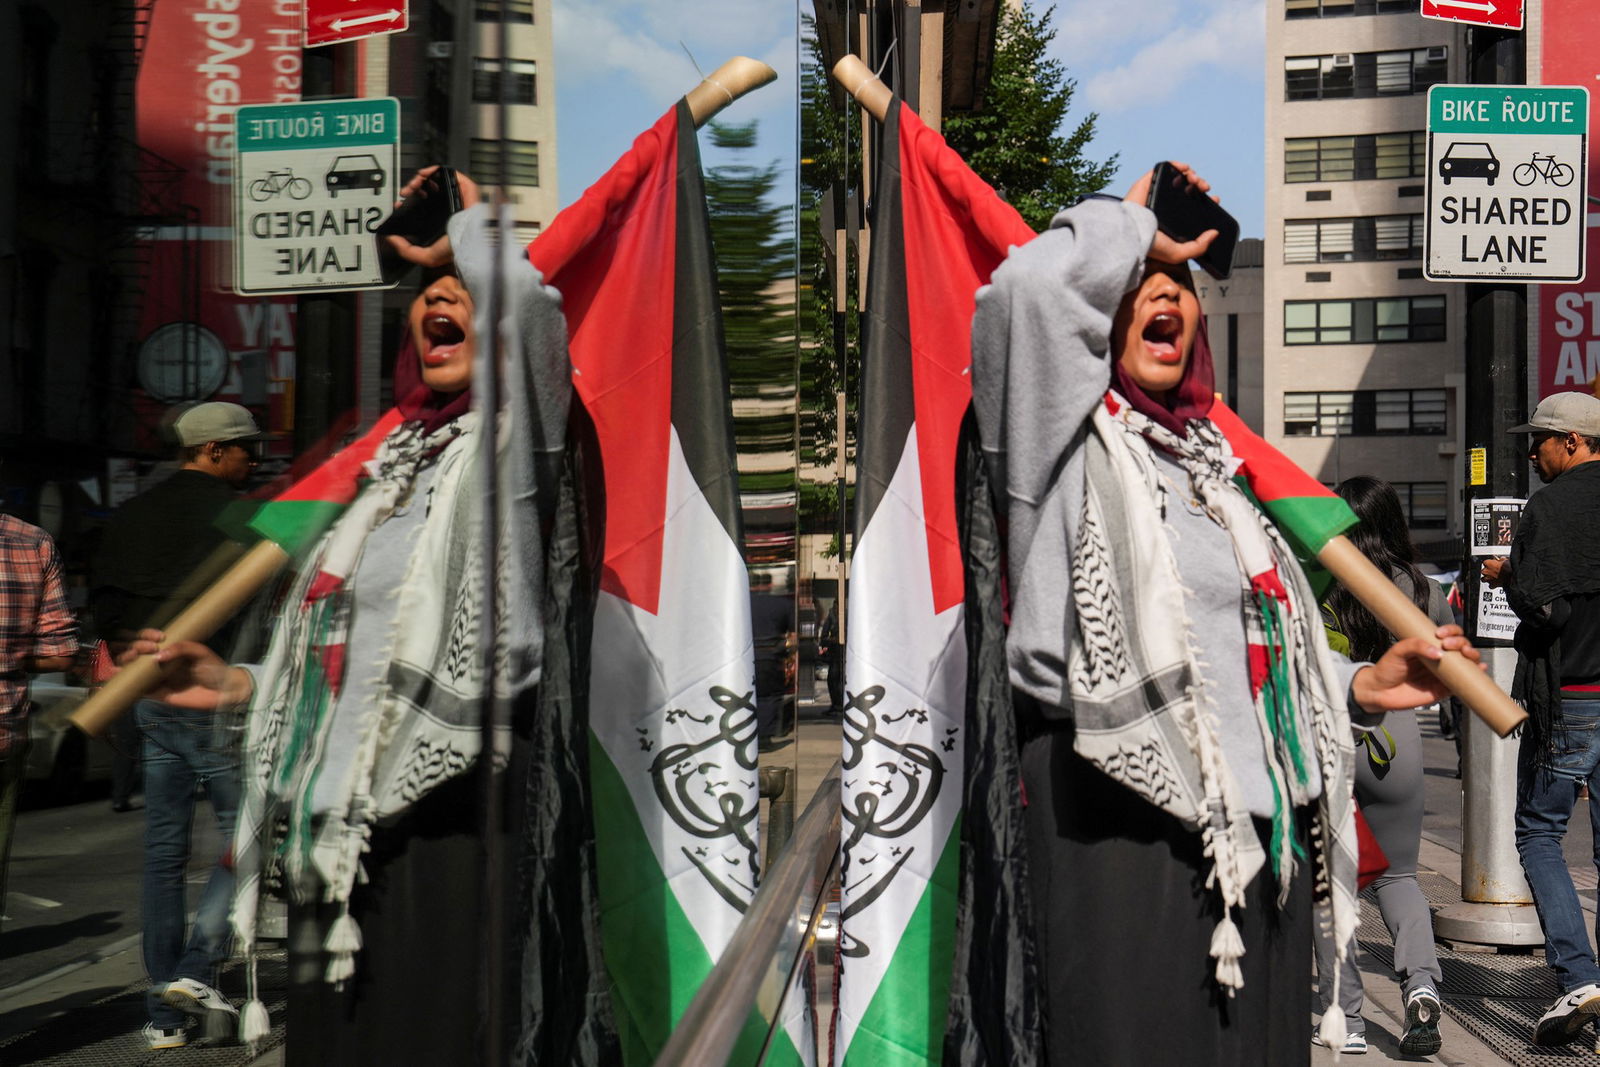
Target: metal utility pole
point(1496, 905)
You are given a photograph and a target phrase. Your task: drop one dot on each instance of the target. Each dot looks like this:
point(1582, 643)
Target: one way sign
point(333, 21)
point(1505, 14)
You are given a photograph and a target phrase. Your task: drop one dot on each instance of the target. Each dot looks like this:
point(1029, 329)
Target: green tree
point(1015, 142)
point(750, 233)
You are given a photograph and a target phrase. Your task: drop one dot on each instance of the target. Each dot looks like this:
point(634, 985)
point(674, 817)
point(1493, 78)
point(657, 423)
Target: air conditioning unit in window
point(1437, 52)
point(1342, 59)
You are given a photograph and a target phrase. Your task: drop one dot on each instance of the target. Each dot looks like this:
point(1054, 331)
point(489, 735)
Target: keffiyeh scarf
point(320, 770)
point(1139, 692)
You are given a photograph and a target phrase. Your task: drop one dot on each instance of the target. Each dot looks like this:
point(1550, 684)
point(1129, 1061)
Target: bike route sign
point(1506, 183)
point(311, 183)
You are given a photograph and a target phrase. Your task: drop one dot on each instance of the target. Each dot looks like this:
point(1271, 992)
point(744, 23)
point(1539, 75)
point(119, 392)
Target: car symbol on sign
point(1469, 159)
point(354, 172)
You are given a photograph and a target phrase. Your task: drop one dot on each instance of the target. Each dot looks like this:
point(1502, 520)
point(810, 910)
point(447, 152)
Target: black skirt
point(1124, 923)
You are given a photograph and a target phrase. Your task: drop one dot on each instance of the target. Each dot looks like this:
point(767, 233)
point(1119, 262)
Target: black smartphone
point(423, 216)
point(1184, 213)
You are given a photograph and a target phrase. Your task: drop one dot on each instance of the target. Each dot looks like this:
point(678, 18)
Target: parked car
point(62, 759)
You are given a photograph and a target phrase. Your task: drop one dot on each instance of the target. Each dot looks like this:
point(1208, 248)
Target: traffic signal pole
point(1496, 905)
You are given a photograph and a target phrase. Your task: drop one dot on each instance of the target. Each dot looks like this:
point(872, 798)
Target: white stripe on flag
point(919, 658)
point(651, 679)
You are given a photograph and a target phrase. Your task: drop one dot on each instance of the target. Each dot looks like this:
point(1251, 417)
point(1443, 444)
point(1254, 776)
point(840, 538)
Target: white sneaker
point(1568, 1016)
point(156, 1037)
point(1355, 1043)
point(1422, 1024)
point(195, 998)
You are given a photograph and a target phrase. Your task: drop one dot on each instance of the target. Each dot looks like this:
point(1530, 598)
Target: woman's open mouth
point(1162, 335)
point(444, 338)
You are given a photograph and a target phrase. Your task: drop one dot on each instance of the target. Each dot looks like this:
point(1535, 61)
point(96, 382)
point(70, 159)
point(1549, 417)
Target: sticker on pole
point(1507, 170)
point(312, 181)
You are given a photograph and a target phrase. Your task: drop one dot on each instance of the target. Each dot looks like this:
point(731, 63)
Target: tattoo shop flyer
point(1492, 525)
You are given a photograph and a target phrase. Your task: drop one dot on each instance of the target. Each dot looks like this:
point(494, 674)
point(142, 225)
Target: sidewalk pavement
point(91, 1011)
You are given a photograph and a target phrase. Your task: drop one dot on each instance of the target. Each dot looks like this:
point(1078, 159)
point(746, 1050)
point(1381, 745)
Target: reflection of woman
point(365, 716)
point(1180, 707)
point(1389, 784)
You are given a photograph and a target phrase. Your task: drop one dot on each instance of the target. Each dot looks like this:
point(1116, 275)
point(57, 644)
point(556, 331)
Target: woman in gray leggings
point(1389, 783)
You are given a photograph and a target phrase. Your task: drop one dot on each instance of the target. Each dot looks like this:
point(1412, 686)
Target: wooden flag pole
point(1404, 619)
point(726, 84)
point(1343, 560)
point(866, 87)
point(202, 618)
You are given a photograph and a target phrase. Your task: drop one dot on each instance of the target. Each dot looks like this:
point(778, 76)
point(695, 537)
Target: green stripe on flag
point(295, 524)
point(1307, 523)
point(653, 953)
point(904, 1025)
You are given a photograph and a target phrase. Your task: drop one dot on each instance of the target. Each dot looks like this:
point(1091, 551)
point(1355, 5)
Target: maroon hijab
point(415, 400)
point(1191, 399)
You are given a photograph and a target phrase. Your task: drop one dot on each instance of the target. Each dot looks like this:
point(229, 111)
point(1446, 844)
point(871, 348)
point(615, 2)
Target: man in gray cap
point(1552, 582)
point(161, 549)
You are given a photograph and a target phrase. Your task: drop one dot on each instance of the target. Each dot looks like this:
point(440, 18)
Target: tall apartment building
point(1362, 356)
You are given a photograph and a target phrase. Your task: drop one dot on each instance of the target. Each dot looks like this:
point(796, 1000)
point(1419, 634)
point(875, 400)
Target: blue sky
point(1190, 89)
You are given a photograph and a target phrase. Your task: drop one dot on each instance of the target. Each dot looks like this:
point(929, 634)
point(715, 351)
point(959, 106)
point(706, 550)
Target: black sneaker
point(1568, 1016)
point(1422, 1024)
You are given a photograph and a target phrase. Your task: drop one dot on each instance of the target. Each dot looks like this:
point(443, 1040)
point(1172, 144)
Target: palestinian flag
point(938, 233)
point(297, 517)
point(671, 703)
point(1304, 510)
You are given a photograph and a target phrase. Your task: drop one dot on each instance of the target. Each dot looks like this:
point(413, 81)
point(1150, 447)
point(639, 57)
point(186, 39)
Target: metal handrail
point(714, 1018)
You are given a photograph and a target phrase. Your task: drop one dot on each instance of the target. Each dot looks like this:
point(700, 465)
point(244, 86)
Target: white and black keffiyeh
point(1139, 693)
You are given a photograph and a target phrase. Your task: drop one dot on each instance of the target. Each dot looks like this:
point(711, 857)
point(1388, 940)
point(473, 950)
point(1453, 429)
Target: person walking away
point(1552, 582)
point(37, 634)
point(161, 549)
point(1389, 782)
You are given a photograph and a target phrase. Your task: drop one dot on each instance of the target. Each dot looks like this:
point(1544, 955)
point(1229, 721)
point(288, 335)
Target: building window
point(521, 161)
point(1357, 157)
point(1364, 74)
point(1364, 413)
point(1355, 240)
point(1363, 321)
point(522, 85)
point(1313, 9)
point(1424, 504)
point(515, 10)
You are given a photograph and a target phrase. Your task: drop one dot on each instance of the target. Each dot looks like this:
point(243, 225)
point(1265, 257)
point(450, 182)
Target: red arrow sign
point(332, 21)
point(1505, 14)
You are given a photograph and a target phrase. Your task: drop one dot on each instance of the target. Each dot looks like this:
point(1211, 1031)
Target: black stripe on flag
point(888, 405)
point(700, 410)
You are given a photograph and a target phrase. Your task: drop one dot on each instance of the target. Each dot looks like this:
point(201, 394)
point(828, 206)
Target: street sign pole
point(1496, 905)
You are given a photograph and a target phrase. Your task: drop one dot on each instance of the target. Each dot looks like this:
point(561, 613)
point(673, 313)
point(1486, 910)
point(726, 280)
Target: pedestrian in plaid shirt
point(37, 633)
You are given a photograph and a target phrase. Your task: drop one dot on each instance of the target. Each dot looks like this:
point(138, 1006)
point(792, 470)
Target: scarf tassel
point(342, 944)
point(1227, 948)
point(254, 1024)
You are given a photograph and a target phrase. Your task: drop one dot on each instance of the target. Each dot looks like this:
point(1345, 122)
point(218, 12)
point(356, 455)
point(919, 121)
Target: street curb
point(116, 948)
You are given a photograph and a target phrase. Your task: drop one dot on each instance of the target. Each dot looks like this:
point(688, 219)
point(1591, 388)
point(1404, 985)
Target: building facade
point(1362, 357)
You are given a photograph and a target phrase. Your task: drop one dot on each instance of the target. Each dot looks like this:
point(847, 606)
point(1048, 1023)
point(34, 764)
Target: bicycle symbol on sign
point(1544, 167)
point(280, 181)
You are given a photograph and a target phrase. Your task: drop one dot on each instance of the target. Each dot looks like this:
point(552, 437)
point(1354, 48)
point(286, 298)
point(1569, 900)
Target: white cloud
point(1229, 40)
point(639, 41)
point(1085, 29)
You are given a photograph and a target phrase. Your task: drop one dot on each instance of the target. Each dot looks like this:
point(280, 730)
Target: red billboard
point(202, 60)
point(1569, 315)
